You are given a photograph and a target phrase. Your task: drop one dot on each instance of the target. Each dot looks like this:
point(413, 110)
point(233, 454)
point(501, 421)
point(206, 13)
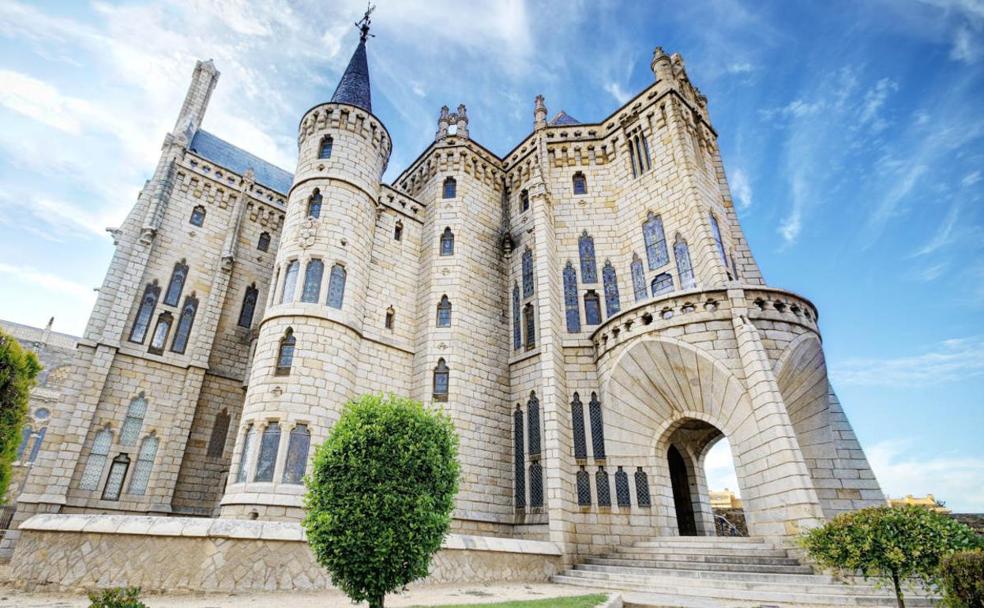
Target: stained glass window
point(266, 460)
point(114, 481)
point(519, 458)
point(662, 283)
point(135, 413)
point(603, 488)
point(608, 276)
point(517, 328)
point(290, 281)
point(314, 204)
point(285, 355)
point(592, 308)
point(97, 460)
point(638, 278)
point(145, 313)
point(336, 286)
point(622, 496)
point(577, 425)
point(144, 466)
point(444, 312)
point(325, 150)
point(655, 239)
point(684, 268)
point(450, 187)
point(297, 454)
point(586, 251)
point(161, 331)
point(583, 488)
point(263, 244)
point(597, 428)
point(248, 439)
point(533, 424)
point(530, 322)
point(441, 380)
point(249, 306)
point(642, 488)
point(527, 273)
point(312, 281)
point(197, 216)
point(580, 183)
point(536, 485)
point(176, 284)
point(447, 242)
point(571, 308)
point(185, 322)
point(220, 429)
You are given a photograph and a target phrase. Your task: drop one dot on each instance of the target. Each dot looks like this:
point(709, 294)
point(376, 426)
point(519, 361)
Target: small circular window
point(41, 413)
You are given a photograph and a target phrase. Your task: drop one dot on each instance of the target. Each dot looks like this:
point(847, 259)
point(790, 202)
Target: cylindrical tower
point(309, 339)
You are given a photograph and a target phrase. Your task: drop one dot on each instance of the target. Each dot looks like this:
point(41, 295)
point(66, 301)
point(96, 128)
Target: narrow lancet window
point(519, 458)
point(217, 441)
point(267, 458)
point(97, 460)
point(572, 310)
point(622, 497)
point(442, 375)
point(586, 251)
point(655, 239)
point(135, 413)
point(144, 466)
point(398, 231)
point(114, 481)
point(642, 488)
point(249, 306)
point(533, 424)
point(528, 273)
point(145, 313)
point(248, 439)
point(716, 232)
point(312, 281)
point(324, 151)
point(444, 312)
point(524, 201)
point(577, 426)
point(684, 268)
point(290, 282)
point(530, 323)
point(447, 242)
point(161, 332)
point(314, 204)
point(610, 280)
point(597, 428)
point(583, 488)
point(592, 308)
point(638, 278)
point(450, 187)
point(263, 244)
point(197, 216)
point(285, 354)
point(176, 284)
point(185, 322)
point(297, 454)
point(517, 328)
point(580, 183)
point(603, 488)
point(336, 286)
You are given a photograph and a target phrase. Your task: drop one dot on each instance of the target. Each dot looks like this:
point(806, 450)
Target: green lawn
point(575, 601)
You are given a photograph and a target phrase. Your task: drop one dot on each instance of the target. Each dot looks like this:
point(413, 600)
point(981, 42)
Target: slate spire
point(353, 88)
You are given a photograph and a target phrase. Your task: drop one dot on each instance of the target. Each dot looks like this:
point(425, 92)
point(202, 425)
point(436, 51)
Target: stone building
point(585, 307)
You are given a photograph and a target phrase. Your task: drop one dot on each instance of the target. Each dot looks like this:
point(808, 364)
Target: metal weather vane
point(365, 22)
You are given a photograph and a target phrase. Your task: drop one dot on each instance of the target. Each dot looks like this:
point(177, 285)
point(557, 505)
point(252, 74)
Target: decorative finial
point(364, 24)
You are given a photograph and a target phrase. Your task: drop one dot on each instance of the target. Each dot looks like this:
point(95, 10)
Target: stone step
point(706, 558)
point(764, 551)
point(764, 577)
point(796, 594)
point(792, 568)
point(737, 542)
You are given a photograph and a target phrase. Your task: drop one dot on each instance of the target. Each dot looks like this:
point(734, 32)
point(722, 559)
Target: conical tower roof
point(353, 88)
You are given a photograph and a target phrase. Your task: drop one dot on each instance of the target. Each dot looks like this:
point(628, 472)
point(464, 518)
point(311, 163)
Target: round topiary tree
point(18, 369)
point(895, 543)
point(380, 495)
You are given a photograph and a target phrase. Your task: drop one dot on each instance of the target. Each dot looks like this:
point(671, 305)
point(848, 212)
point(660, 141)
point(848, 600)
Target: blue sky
point(852, 134)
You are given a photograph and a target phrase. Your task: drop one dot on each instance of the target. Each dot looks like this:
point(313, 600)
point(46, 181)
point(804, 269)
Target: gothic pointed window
point(592, 308)
point(145, 313)
point(610, 280)
point(285, 354)
point(519, 459)
point(662, 283)
point(527, 273)
point(249, 306)
point(572, 310)
point(603, 488)
point(398, 231)
point(263, 244)
point(176, 284)
point(622, 497)
point(390, 319)
point(586, 251)
point(135, 413)
point(655, 239)
point(597, 428)
point(36, 446)
point(26, 433)
point(442, 376)
point(580, 183)
point(517, 328)
point(524, 201)
point(684, 268)
point(444, 312)
point(583, 488)
point(220, 429)
point(249, 438)
point(533, 424)
point(266, 460)
point(632, 157)
point(645, 149)
point(638, 278)
point(447, 242)
point(297, 454)
point(336, 286)
point(197, 216)
point(450, 188)
point(324, 150)
point(529, 320)
point(114, 481)
point(314, 204)
point(290, 282)
point(144, 466)
point(185, 322)
point(312, 280)
point(716, 233)
point(536, 485)
point(161, 332)
point(97, 460)
point(577, 426)
point(642, 488)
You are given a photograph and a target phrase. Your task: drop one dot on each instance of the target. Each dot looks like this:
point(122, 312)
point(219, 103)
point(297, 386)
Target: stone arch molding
point(657, 384)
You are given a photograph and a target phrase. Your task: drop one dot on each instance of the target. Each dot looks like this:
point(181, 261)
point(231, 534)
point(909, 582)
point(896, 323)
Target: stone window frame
point(263, 242)
point(96, 460)
point(133, 420)
point(654, 241)
point(582, 485)
point(444, 310)
point(529, 326)
point(336, 286)
point(269, 448)
point(603, 488)
point(597, 422)
point(517, 318)
point(587, 258)
point(685, 267)
point(578, 434)
point(314, 273)
point(519, 459)
point(524, 200)
point(639, 152)
point(442, 378)
point(246, 453)
point(662, 284)
point(248, 308)
point(447, 242)
point(718, 240)
point(291, 455)
point(197, 216)
point(398, 230)
point(449, 188)
point(120, 463)
point(579, 183)
point(623, 496)
point(314, 204)
point(325, 147)
point(165, 321)
point(287, 348)
point(643, 495)
point(592, 303)
point(289, 288)
point(639, 290)
point(186, 322)
point(145, 312)
point(529, 283)
point(179, 276)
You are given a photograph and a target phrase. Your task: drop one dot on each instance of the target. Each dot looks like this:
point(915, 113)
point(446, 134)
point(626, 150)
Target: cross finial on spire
point(364, 24)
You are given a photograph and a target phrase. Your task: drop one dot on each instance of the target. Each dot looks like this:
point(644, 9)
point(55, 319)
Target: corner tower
point(312, 330)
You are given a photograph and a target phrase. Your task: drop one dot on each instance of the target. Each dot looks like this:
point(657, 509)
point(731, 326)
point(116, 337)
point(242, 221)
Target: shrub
point(117, 597)
point(895, 543)
point(963, 579)
point(380, 495)
point(18, 369)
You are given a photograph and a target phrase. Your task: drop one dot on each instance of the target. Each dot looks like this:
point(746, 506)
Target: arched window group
point(586, 252)
point(311, 288)
point(145, 313)
point(197, 216)
point(639, 153)
point(447, 242)
point(176, 284)
point(580, 183)
point(442, 377)
point(450, 189)
point(531, 450)
point(314, 204)
point(266, 453)
point(249, 306)
point(610, 281)
point(572, 311)
point(285, 353)
point(444, 312)
point(324, 150)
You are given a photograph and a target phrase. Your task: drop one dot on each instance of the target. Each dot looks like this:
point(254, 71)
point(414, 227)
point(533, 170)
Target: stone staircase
point(708, 572)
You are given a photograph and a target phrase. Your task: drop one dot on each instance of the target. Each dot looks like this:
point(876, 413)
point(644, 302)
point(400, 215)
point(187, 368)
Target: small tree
point(18, 369)
point(380, 495)
point(896, 543)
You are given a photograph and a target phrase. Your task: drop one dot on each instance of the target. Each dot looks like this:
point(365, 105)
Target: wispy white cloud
point(742, 188)
point(971, 178)
point(619, 93)
point(954, 360)
point(958, 480)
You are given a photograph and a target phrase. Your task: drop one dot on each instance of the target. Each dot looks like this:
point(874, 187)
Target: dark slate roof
point(353, 88)
point(563, 119)
point(238, 160)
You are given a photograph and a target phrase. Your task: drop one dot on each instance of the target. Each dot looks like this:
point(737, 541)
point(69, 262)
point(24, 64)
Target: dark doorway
point(680, 479)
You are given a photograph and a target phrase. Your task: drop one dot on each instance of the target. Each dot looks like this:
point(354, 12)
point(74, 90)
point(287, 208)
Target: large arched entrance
point(684, 447)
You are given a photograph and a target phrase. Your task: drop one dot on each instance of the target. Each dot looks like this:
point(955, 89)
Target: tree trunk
point(377, 602)
point(898, 589)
